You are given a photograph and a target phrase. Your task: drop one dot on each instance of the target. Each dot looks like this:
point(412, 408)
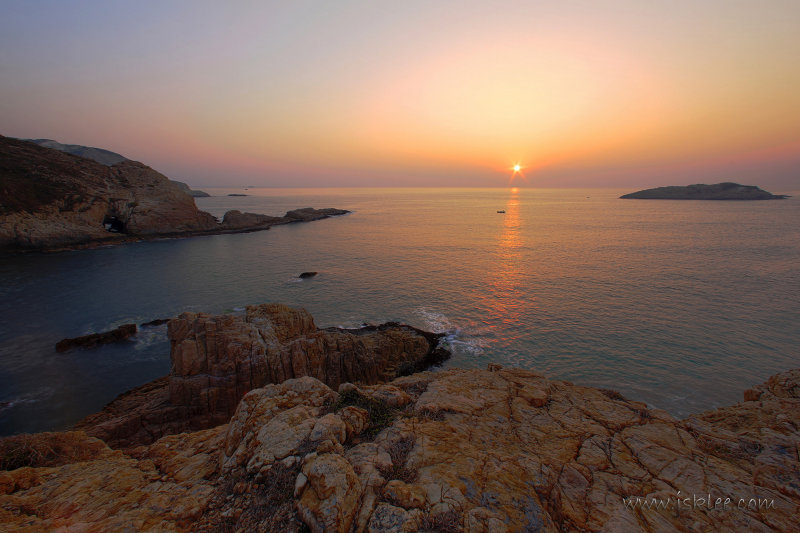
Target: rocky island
point(293, 428)
point(51, 200)
point(719, 191)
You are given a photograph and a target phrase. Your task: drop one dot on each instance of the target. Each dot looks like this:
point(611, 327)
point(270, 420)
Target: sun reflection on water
point(500, 297)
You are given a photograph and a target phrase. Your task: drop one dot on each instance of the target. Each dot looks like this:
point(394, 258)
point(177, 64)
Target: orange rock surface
point(461, 450)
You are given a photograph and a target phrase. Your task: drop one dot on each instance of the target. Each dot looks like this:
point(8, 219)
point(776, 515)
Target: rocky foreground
point(719, 191)
point(51, 200)
point(218, 359)
point(459, 450)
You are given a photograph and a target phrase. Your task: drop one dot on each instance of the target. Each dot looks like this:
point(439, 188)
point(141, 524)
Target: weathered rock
point(390, 519)
point(405, 495)
point(329, 501)
point(163, 488)
point(355, 419)
point(475, 451)
point(307, 214)
point(216, 360)
point(388, 394)
point(237, 220)
point(273, 422)
point(121, 333)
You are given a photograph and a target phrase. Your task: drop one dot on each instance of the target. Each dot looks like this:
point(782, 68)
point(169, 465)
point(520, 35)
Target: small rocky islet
point(268, 423)
point(719, 191)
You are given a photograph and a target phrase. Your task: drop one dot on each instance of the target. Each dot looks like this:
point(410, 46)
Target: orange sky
point(293, 94)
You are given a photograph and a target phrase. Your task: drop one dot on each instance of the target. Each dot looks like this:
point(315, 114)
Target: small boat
point(501, 211)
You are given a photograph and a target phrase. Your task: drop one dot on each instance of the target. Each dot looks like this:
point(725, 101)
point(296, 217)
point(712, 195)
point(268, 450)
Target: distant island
point(719, 191)
point(51, 199)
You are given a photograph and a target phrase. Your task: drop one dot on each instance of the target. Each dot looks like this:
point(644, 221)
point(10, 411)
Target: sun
point(516, 171)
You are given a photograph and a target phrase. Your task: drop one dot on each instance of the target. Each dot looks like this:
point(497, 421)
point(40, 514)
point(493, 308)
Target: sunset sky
point(292, 93)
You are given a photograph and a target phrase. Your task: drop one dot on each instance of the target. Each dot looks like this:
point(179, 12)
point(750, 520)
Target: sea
point(680, 304)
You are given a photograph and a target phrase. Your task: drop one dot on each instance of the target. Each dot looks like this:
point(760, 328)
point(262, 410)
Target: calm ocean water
point(679, 304)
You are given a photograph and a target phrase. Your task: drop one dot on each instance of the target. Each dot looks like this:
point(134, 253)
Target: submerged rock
point(473, 450)
point(156, 322)
point(307, 275)
point(121, 333)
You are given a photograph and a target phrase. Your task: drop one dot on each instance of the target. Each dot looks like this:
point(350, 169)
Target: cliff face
point(720, 191)
point(217, 359)
point(461, 450)
point(52, 199)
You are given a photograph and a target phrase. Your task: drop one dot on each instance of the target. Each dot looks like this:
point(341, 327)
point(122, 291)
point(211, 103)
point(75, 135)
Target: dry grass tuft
point(47, 449)
point(449, 522)
point(380, 414)
point(399, 451)
point(613, 395)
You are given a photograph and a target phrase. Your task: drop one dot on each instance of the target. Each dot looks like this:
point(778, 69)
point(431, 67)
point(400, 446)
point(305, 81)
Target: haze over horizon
point(623, 94)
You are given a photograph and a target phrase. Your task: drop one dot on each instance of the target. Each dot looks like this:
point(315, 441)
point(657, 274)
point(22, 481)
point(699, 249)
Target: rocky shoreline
point(334, 440)
point(55, 201)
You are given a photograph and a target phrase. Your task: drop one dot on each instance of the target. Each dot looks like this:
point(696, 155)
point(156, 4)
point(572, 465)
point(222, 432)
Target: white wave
point(45, 393)
point(435, 321)
point(459, 340)
point(147, 337)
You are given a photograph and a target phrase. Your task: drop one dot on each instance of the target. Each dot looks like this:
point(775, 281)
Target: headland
point(54, 200)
